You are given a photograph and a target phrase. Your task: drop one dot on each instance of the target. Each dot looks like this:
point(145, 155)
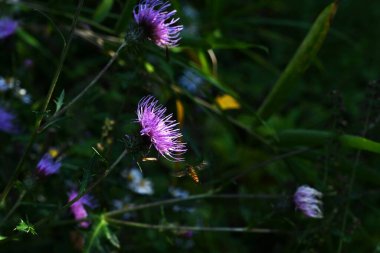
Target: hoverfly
point(191, 171)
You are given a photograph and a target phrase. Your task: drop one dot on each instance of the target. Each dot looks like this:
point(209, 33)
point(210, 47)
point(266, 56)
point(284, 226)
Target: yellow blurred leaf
point(180, 111)
point(226, 102)
point(149, 67)
point(53, 152)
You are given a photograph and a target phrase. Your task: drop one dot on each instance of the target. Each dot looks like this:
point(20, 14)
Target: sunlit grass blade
point(305, 54)
point(103, 10)
point(316, 137)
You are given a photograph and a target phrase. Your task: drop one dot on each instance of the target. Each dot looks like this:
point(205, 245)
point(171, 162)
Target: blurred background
point(230, 57)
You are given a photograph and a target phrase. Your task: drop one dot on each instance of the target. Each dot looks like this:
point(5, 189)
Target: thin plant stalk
point(195, 228)
point(44, 108)
point(92, 83)
point(210, 194)
point(353, 176)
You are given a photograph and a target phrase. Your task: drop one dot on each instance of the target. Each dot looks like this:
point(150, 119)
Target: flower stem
point(196, 228)
point(210, 194)
point(353, 175)
point(91, 84)
point(157, 203)
point(44, 108)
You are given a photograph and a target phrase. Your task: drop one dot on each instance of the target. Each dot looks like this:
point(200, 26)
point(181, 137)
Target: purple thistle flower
point(48, 165)
point(7, 121)
point(160, 129)
point(7, 27)
point(307, 200)
point(77, 208)
point(152, 17)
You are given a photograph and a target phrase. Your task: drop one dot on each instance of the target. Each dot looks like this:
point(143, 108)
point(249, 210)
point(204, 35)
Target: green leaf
point(307, 137)
point(125, 17)
point(25, 227)
point(59, 102)
point(101, 231)
point(103, 10)
point(112, 238)
point(305, 54)
point(87, 174)
point(2, 238)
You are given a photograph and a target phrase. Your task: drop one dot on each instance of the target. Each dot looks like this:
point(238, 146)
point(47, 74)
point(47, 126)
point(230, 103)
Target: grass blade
point(299, 63)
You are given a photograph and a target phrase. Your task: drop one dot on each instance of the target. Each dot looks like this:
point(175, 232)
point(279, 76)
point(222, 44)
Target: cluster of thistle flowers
point(154, 19)
point(163, 134)
point(151, 15)
point(158, 26)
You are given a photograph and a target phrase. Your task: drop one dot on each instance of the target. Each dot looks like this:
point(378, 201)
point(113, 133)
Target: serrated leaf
point(59, 102)
point(99, 232)
point(25, 227)
point(304, 55)
point(87, 175)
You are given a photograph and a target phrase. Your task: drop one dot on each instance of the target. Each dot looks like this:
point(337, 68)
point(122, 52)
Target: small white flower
point(178, 193)
point(3, 84)
point(138, 184)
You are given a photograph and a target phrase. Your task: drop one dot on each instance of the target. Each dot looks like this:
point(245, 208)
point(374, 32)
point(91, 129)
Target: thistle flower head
point(157, 23)
point(78, 209)
point(307, 200)
point(48, 165)
point(7, 121)
point(161, 129)
point(7, 27)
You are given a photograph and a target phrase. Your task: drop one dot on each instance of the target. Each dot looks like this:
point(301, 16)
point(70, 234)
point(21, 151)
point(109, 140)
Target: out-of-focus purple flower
point(48, 165)
point(161, 129)
point(78, 209)
point(7, 27)
point(157, 23)
point(7, 121)
point(307, 200)
point(28, 63)
point(191, 81)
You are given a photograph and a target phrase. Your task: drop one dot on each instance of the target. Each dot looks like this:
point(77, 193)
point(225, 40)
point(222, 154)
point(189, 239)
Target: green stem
point(44, 108)
point(196, 228)
point(99, 227)
point(17, 204)
point(92, 83)
point(157, 203)
point(353, 176)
